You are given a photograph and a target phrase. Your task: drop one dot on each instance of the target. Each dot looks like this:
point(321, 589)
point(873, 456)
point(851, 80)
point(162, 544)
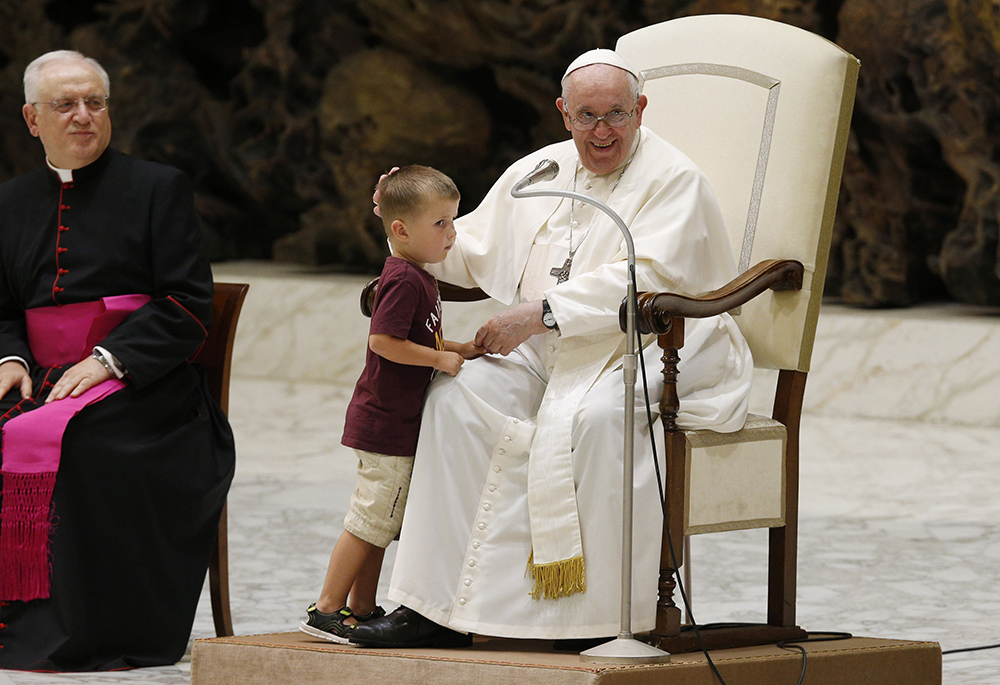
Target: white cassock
point(522, 456)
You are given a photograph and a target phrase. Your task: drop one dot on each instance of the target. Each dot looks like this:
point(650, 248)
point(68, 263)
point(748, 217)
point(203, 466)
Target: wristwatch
point(547, 318)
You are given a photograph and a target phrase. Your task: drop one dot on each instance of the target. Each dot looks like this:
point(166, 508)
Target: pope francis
point(513, 525)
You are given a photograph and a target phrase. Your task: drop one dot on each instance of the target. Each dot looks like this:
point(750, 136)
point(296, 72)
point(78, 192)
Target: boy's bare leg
point(366, 583)
point(347, 561)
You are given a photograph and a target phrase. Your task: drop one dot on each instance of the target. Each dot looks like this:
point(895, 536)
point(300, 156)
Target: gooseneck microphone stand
point(625, 648)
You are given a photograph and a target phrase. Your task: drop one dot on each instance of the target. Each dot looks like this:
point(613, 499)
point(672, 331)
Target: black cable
point(812, 637)
point(970, 649)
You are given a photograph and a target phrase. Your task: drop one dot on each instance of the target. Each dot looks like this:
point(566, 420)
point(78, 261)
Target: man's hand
point(376, 196)
point(78, 378)
point(508, 329)
point(12, 375)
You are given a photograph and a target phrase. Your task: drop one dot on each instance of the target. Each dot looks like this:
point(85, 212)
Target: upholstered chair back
point(766, 118)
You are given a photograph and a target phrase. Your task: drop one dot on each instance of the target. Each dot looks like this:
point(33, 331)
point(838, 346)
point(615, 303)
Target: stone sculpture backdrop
point(284, 112)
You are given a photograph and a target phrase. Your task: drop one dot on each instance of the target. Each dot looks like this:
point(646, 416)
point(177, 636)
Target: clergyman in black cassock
point(144, 472)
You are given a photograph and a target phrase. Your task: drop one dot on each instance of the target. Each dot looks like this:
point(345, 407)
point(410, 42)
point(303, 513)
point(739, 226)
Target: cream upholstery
point(736, 480)
point(710, 80)
point(764, 109)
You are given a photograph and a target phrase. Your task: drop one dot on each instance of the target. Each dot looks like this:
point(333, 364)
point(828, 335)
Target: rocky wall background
point(284, 112)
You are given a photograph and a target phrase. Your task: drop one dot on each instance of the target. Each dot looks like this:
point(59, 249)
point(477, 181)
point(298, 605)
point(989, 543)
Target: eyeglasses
point(93, 103)
point(616, 118)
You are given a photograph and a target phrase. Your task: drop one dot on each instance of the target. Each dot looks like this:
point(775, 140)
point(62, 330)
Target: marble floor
point(899, 527)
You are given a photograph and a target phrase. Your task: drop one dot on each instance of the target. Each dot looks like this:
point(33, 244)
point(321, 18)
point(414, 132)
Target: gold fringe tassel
point(558, 579)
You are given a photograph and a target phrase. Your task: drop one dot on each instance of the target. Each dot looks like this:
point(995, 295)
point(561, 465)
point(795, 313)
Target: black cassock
point(144, 473)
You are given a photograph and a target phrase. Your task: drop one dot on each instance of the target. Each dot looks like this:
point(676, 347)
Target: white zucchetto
point(602, 56)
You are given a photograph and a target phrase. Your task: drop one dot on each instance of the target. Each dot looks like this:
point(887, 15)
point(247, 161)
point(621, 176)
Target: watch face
point(549, 320)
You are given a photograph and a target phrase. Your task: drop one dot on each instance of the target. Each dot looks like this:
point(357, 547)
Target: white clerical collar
point(65, 175)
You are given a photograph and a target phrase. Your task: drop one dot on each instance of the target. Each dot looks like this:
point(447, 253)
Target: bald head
point(33, 72)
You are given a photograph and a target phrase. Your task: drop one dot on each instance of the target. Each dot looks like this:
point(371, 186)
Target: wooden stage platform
point(298, 659)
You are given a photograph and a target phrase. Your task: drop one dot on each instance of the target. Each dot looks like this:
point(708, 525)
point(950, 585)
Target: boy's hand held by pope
point(470, 350)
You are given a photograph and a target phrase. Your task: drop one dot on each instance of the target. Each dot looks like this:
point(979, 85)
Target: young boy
point(418, 207)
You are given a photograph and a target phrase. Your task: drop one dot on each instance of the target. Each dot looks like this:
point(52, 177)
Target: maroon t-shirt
point(384, 413)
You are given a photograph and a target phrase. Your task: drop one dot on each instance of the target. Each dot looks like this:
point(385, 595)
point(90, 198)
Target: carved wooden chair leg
point(668, 613)
point(783, 542)
point(218, 581)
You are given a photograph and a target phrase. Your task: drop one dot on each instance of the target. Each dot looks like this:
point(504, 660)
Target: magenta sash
point(32, 442)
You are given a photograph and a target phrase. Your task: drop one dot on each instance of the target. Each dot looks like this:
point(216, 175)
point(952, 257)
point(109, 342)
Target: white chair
point(764, 109)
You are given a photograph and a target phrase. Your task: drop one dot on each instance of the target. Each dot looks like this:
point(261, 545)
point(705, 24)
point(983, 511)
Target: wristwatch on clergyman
point(547, 318)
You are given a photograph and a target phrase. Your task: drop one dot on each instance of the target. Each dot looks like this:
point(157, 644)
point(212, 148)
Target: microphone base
point(625, 650)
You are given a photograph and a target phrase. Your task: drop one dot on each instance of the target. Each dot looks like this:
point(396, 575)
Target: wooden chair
point(764, 109)
point(216, 355)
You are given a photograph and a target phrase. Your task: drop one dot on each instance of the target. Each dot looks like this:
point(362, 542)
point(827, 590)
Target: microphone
point(546, 170)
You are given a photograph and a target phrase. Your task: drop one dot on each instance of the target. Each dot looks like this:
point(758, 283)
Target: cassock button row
point(501, 451)
point(482, 526)
point(472, 563)
point(507, 438)
point(467, 582)
point(497, 469)
point(463, 601)
point(487, 507)
point(475, 545)
point(493, 488)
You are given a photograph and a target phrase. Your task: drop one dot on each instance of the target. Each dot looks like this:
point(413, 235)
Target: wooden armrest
point(454, 293)
point(449, 293)
point(656, 310)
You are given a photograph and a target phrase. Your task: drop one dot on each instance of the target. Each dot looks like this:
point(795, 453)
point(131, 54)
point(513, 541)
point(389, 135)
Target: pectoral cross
point(562, 272)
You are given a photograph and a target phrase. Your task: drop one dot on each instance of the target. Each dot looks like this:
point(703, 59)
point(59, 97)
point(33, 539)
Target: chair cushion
point(736, 480)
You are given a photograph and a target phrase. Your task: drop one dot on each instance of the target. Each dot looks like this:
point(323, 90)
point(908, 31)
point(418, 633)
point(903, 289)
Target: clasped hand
point(508, 329)
point(450, 360)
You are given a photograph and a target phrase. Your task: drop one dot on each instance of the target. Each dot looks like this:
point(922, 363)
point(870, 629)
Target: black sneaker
point(331, 626)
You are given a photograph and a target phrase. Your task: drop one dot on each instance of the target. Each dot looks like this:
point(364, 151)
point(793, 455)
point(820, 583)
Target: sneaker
point(377, 612)
point(331, 626)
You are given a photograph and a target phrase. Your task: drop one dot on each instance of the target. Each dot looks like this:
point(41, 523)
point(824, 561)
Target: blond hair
point(404, 192)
